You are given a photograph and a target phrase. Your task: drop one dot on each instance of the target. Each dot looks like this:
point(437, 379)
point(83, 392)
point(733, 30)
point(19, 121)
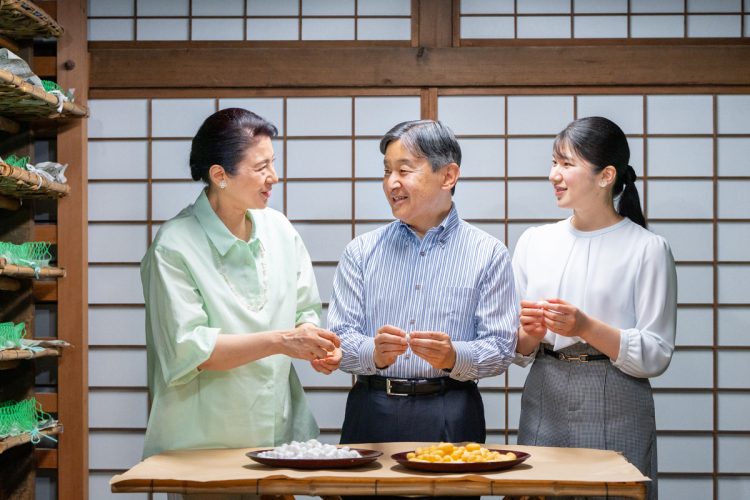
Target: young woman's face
point(250, 186)
point(575, 184)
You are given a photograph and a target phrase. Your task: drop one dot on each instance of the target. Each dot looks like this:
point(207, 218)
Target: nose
point(554, 174)
point(273, 178)
point(391, 181)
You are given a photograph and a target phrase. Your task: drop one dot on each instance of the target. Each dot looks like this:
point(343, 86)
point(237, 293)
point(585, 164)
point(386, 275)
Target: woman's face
point(250, 186)
point(575, 184)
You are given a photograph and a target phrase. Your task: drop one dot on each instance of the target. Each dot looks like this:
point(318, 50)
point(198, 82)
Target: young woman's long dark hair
point(601, 143)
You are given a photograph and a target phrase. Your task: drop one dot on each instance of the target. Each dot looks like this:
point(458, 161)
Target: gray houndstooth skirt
point(590, 405)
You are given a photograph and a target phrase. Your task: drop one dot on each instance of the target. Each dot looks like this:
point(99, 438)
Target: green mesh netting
point(49, 86)
point(34, 254)
point(17, 161)
point(22, 417)
point(11, 335)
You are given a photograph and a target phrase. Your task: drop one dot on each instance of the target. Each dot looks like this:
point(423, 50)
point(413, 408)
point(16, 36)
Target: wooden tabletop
point(548, 471)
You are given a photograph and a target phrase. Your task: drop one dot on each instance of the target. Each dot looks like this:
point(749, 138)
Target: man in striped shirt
point(425, 305)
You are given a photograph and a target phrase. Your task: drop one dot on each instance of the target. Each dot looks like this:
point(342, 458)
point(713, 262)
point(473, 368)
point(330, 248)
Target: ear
point(451, 173)
point(608, 174)
point(216, 174)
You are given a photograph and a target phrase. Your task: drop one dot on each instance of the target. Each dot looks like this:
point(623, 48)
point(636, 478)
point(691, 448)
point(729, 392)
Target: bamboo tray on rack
point(19, 183)
point(10, 442)
point(23, 100)
point(14, 271)
point(24, 19)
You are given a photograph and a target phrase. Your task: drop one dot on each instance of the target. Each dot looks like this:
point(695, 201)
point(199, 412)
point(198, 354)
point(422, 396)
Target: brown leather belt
point(412, 386)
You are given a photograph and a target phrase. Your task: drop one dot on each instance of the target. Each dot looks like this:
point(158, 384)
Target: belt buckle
point(581, 358)
point(388, 390)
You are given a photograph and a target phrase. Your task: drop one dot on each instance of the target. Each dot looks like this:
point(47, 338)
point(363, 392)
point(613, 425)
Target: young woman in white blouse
point(598, 308)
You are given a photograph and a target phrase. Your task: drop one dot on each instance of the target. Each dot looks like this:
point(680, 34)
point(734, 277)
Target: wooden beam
point(47, 459)
point(164, 66)
point(72, 252)
point(44, 291)
point(48, 400)
point(45, 67)
point(45, 232)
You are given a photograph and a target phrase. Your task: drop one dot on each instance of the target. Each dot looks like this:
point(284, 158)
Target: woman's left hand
point(565, 319)
point(329, 364)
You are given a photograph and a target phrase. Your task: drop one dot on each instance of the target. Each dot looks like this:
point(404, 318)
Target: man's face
point(417, 195)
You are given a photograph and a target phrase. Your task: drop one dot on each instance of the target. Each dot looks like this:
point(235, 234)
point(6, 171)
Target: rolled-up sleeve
point(180, 336)
point(346, 314)
point(496, 319)
point(646, 349)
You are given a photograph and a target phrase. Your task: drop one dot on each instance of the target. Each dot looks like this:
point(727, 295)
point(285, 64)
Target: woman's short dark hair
point(223, 140)
point(426, 139)
point(601, 143)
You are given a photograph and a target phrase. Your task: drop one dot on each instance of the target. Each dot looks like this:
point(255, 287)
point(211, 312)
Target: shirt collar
point(442, 230)
point(222, 239)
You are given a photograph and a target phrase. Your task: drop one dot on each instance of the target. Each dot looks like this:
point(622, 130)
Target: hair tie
point(630, 176)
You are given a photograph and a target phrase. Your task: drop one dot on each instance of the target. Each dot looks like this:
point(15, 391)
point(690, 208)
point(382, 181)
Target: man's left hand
point(329, 364)
point(435, 348)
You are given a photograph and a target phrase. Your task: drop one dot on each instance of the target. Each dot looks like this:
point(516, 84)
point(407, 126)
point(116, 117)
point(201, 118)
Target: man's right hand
point(390, 343)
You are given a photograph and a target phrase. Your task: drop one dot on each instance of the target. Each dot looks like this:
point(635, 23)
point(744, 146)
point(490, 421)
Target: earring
point(222, 184)
point(603, 184)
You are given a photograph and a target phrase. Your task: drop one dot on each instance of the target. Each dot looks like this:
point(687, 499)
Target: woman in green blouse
point(230, 298)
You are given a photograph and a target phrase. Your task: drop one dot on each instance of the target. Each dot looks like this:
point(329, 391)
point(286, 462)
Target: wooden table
point(548, 472)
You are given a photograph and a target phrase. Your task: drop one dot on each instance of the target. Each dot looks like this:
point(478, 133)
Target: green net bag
point(11, 335)
point(23, 417)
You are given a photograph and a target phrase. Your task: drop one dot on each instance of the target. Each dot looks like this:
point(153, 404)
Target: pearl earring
point(603, 184)
point(222, 184)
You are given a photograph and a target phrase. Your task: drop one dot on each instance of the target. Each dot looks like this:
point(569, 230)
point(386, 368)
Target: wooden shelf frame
point(24, 19)
point(16, 354)
point(14, 271)
point(25, 101)
point(10, 442)
point(19, 183)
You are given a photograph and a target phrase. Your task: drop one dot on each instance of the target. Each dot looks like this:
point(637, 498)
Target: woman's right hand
point(309, 342)
point(532, 319)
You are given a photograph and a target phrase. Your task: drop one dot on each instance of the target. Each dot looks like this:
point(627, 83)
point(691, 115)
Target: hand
point(329, 364)
point(565, 319)
point(532, 319)
point(390, 343)
point(435, 348)
point(309, 342)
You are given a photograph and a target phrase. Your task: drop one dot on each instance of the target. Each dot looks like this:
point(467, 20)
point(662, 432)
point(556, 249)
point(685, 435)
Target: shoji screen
point(535, 19)
point(690, 152)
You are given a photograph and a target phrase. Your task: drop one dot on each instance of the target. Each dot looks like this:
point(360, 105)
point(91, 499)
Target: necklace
point(256, 303)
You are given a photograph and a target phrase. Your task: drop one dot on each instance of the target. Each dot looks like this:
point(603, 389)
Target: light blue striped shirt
point(457, 280)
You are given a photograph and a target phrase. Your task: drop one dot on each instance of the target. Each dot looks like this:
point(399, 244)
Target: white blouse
point(623, 275)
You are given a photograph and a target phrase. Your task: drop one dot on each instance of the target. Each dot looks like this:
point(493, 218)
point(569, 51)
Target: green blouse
point(200, 281)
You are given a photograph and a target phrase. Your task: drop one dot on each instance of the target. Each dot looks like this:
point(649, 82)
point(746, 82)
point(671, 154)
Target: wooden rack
point(25, 107)
point(23, 19)
point(25, 101)
point(19, 183)
point(14, 271)
point(10, 442)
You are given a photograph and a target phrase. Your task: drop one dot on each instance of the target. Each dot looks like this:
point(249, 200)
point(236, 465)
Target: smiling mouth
point(397, 199)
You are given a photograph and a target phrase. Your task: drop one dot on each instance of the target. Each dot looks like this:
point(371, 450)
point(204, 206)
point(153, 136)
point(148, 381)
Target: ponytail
point(629, 204)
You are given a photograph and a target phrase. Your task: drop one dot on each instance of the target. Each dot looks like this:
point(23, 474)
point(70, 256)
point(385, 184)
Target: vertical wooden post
point(435, 25)
point(72, 148)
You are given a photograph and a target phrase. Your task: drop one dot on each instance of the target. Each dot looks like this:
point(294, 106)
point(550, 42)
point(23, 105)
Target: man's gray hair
point(426, 139)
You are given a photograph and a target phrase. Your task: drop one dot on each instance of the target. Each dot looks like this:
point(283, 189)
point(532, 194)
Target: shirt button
point(412, 321)
point(422, 254)
point(417, 287)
